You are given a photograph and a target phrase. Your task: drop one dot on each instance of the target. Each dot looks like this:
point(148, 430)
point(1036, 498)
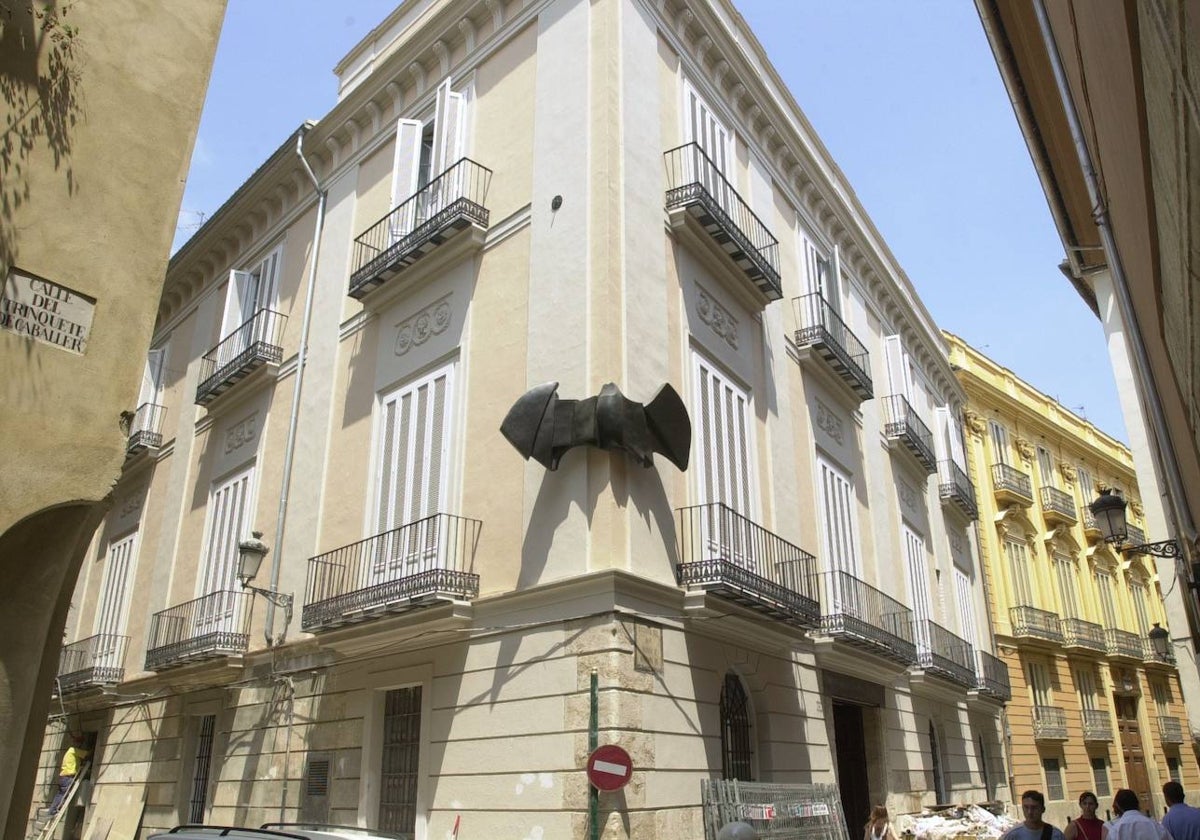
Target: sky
point(906, 96)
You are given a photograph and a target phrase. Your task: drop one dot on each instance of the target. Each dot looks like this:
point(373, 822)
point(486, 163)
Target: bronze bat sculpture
point(544, 427)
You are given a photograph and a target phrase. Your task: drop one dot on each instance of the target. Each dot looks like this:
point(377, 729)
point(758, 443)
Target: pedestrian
point(1087, 826)
point(1033, 805)
point(1182, 820)
point(879, 827)
point(69, 769)
point(1131, 823)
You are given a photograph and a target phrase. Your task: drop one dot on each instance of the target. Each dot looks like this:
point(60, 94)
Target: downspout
point(289, 450)
point(1184, 526)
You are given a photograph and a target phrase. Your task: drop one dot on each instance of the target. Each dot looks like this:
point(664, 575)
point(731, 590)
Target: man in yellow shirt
point(71, 764)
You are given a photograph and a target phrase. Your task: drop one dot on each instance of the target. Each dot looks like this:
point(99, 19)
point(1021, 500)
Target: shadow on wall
point(39, 81)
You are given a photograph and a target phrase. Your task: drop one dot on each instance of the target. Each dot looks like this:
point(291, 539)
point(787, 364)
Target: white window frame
point(966, 607)
point(248, 292)
point(918, 584)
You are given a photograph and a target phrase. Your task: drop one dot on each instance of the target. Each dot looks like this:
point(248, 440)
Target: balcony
point(858, 614)
point(1058, 507)
point(94, 661)
point(1011, 486)
point(956, 490)
point(1170, 729)
point(1122, 644)
point(417, 564)
point(903, 427)
point(249, 347)
point(450, 204)
point(823, 331)
point(723, 552)
point(1082, 635)
point(145, 432)
point(1091, 530)
point(1049, 723)
point(699, 198)
point(991, 677)
point(209, 627)
point(1097, 725)
point(1032, 623)
point(943, 653)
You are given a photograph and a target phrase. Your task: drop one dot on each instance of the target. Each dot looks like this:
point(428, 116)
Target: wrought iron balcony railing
point(903, 425)
point(1123, 644)
point(1011, 485)
point(1152, 657)
point(96, 660)
point(1097, 725)
point(208, 627)
point(722, 551)
point(943, 653)
point(822, 329)
point(1171, 729)
point(1090, 529)
point(145, 432)
point(695, 184)
point(857, 613)
point(419, 563)
point(443, 208)
point(992, 676)
point(1058, 506)
point(956, 489)
point(252, 345)
point(1032, 623)
point(1081, 634)
point(1049, 723)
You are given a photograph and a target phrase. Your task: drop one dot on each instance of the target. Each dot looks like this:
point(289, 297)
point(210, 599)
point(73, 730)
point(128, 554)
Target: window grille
point(1054, 779)
point(1100, 775)
point(401, 758)
point(200, 771)
point(736, 752)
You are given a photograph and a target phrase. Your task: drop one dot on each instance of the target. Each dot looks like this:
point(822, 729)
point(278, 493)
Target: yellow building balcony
point(1049, 723)
point(1082, 636)
point(1033, 624)
point(1124, 645)
point(1097, 725)
point(1058, 508)
point(1170, 729)
point(1011, 486)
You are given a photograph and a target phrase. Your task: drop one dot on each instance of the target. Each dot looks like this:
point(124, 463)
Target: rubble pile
point(967, 822)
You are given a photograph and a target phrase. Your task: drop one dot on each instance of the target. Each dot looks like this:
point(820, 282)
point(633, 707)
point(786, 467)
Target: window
point(984, 771)
point(1140, 593)
point(966, 607)
point(414, 439)
point(723, 439)
point(1039, 684)
point(1086, 488)
point(1100, 776)
point(1174, 771)
point(1054, 779)
point(999, 436)
point(950, 437)
point(249, 292)
point(228, 524)
point(705, 129)
point(1068, 588)
point(1162, 697)
point(398, 775)
point(899, 375)
point(838, 518)
point(201, 765)
point(113, 609)
point(1018, 568)
point(152, 378)
point(1085, 685)
point(1045, 467)
point(1105, 586)
point(425, 150)
point(918, 581)
point(737, 755)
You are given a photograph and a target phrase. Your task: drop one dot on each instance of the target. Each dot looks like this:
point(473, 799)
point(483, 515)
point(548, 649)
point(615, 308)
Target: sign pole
point(593, 742)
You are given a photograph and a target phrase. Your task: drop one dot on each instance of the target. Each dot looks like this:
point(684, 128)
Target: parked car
point(276, 831)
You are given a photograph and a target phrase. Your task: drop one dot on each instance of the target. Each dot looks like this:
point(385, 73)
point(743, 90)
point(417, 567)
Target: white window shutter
point(918, 578)
point(228, 524)
point(152, 377)
point(114, 597)
point(407, 161)
point(723, 440)
point(240, 299)
point(268, 281)
point(966, 608)
point(897, 376)
point(447, 129)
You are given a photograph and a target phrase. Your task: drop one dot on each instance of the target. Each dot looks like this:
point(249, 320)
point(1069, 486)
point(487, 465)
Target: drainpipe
point(289, 450)
point(1184, 527)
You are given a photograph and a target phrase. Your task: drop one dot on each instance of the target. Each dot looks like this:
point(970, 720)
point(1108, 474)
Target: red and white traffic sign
point(609, 768)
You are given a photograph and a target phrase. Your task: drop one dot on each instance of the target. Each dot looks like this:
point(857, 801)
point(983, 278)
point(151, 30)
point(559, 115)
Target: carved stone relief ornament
point(1024, 449)
point(975, 423)
point(1068, 471)
point(241, 433)
point(1136, 508)
point(718, 318)
point(417, 329)
point(829, 423)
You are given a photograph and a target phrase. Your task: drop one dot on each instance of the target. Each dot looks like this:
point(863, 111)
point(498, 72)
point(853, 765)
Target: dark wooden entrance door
point(850, 743)
point(1131, 750)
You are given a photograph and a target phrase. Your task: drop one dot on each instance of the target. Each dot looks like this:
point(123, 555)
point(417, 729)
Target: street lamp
point(250, 556)
point(1160, 639)
point(1109, 510)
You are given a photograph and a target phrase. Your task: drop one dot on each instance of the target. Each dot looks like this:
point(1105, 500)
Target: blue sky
point(906, 96)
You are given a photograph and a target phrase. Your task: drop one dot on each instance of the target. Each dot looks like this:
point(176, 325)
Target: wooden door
point(1131, 750)
point(850, 742)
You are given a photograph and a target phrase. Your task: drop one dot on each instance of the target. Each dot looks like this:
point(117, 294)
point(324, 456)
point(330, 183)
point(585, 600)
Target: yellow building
point(1094, 706)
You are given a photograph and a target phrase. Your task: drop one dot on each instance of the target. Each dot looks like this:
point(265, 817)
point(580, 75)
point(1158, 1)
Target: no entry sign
point(609, 768)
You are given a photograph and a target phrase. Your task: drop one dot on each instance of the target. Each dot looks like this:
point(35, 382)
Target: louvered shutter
point(240, 299)
point(114, 600)
point(152, 377)
point(725, 462)
point(898, 380)
point(966, 607)
point(447, 129)
point(228, 524)
point(405, 170)
point(918, 577)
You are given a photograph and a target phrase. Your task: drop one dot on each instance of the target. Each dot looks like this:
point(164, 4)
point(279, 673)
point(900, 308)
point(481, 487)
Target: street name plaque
point(41, 309)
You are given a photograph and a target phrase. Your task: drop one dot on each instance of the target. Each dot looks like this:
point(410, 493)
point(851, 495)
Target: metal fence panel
point(777, 811)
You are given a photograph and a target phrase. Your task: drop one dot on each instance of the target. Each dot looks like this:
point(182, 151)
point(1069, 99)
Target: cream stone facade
point(506, 194)
point(1095, 707)
point(98, 131)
